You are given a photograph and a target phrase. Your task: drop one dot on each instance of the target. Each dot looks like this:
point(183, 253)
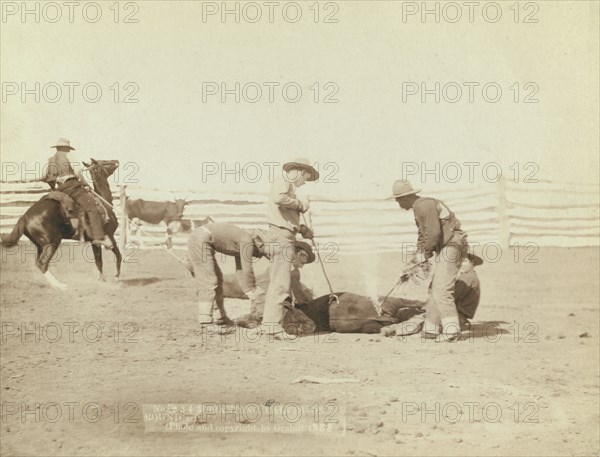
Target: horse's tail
point(13, 237)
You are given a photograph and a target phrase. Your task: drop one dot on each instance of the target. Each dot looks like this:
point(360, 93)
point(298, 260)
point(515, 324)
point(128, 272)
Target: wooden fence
point(546, 213)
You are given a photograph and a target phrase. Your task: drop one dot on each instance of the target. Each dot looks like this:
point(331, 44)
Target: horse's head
point(101, 170)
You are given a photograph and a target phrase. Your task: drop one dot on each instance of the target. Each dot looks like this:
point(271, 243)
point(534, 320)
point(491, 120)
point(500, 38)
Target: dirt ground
point(523, 382)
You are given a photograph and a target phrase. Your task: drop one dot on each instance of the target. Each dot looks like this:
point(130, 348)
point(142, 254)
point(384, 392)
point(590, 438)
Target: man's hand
point(306, 232)
point(304, 205)
point(419, 258)
point(255, 293)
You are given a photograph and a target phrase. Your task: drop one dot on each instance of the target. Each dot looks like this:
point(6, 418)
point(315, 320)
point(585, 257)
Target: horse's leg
point(117, 253)
point(98, 259)
point(44, 255)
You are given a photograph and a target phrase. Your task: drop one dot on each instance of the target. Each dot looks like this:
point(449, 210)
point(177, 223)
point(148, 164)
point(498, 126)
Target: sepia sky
point(367, 57)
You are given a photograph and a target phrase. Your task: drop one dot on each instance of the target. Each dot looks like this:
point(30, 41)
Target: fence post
point(503, 215)
point(124, 218)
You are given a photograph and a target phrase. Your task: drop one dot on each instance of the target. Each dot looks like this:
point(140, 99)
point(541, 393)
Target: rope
point(405, 276)
point(101, 197)
point(332, 296)
point(139, 227)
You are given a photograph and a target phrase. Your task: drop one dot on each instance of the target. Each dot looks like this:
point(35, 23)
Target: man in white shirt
point(283, 216)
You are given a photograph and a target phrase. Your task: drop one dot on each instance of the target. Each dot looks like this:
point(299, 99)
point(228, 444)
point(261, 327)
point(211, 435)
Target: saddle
point(75, 213)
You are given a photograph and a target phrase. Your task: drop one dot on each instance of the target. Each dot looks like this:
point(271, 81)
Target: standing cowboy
point(467, 293)
point(283, 217)
point(441, 239)
point(228, 239)
point(66, 172)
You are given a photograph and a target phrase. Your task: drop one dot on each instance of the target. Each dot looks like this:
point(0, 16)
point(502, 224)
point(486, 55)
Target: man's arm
point(244, 271)
point(461, 290)
point(279, 194)
point(77, 168)
point(427, 217)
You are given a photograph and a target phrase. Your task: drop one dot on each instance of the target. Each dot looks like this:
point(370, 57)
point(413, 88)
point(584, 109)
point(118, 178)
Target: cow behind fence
point(171, 213)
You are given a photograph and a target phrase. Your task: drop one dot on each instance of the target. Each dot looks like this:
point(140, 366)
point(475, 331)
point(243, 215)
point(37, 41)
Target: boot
point(224, 320)
point(450, 329)
point(465, 324)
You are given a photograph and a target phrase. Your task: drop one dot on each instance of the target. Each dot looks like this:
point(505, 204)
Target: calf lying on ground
point(353, 314)
point(356, 313)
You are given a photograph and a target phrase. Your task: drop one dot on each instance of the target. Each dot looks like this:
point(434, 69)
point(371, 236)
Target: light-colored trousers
point(281, 245)
point(207, 273)
point(440, 309)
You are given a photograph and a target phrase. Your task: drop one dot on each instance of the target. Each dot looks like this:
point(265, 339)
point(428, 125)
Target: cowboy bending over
point(231, 240)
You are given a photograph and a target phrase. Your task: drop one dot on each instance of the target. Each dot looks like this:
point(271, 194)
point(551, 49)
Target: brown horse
point(46, 225)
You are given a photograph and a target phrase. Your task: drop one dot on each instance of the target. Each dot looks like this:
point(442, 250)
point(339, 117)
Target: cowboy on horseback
point(66, 172)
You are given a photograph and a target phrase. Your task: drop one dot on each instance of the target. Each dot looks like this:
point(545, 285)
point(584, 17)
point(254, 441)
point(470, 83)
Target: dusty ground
point(525, 382)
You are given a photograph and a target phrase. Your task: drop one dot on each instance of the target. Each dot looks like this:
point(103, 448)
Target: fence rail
point(547, 213)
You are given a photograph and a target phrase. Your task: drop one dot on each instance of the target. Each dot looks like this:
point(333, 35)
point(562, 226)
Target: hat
point(402, 188)
point(306, 248)
point(302, 164)
point(474, 259)
point(63, 143)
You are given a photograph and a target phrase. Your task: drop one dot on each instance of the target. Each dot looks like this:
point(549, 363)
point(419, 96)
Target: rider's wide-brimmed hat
point(63, 143)
point(302, 164)
point(306, 248)
point(403, 188)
